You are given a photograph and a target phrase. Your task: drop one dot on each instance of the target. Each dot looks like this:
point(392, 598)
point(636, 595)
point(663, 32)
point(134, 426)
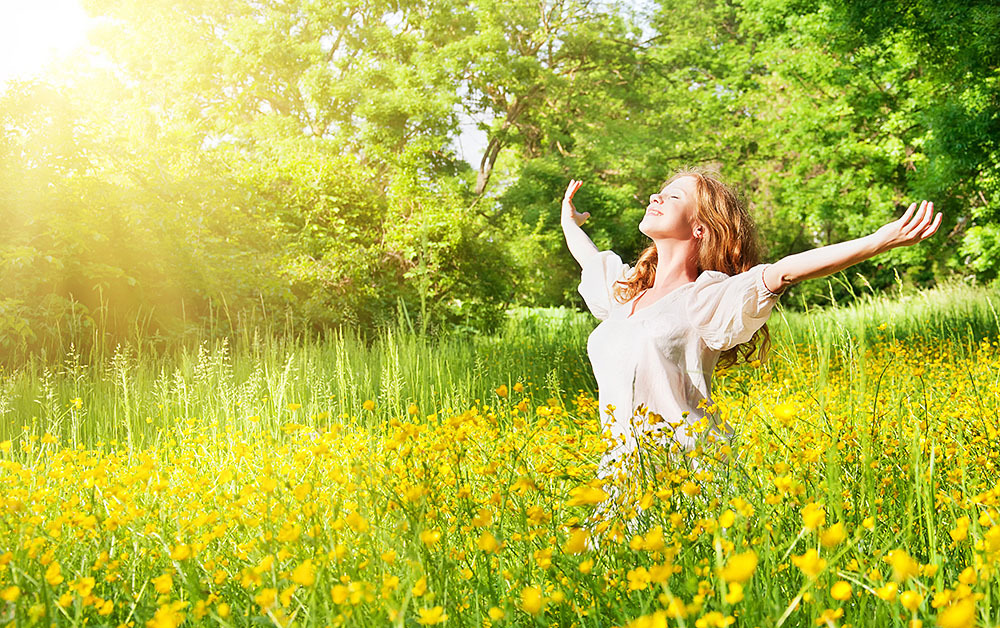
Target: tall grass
point(131, 393)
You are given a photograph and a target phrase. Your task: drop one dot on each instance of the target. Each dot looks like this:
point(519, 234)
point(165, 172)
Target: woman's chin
point(651, 232)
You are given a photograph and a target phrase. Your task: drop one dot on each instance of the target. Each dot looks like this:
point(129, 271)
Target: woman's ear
point(699, 231)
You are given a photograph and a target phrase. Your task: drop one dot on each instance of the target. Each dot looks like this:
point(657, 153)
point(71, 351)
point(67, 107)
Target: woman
point(697, 297)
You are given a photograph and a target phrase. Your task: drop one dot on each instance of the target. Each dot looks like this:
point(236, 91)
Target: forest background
point(233, 161)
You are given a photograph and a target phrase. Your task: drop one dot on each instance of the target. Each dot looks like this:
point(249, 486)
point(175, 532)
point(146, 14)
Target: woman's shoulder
point(709, 277)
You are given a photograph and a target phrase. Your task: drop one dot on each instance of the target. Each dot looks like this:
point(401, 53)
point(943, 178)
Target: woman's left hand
point(912, 227)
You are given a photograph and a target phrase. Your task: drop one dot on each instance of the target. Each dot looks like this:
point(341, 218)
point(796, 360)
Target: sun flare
point(35, 33)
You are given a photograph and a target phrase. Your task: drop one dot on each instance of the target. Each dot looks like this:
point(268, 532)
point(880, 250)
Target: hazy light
point(35, 33)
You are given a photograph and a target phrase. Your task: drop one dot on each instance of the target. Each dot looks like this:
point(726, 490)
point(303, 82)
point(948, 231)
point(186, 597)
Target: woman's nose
point(653, 198)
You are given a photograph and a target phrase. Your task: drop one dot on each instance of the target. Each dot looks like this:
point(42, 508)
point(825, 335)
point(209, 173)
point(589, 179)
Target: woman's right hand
point(569, 212)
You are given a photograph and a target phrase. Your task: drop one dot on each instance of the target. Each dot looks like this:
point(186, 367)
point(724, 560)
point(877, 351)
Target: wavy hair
point(729, 245)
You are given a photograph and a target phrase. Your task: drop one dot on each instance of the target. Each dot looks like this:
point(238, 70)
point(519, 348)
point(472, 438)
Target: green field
point(333, 482)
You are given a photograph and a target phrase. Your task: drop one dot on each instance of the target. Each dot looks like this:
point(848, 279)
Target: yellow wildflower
point(304, 574)
point(911, 600)
point(431, 616)
point(577, 542)
point(833, 536)
point(740, 567)
point(10, 594)
point(961, 614)
point(810, 563)
point(531, 600)
point(841, 590)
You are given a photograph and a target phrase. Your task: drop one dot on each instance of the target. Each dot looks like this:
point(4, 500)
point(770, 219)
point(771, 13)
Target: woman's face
point(671, 213)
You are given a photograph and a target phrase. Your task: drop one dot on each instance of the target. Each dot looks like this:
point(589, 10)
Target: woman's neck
point(676, 264)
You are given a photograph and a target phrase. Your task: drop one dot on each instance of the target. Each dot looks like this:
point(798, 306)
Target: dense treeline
point(296, 160)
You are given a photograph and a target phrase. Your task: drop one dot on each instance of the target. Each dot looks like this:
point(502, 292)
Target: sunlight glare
point(35, 33)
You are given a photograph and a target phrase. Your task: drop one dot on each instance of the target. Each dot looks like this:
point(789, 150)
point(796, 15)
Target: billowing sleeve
point(728, 310)
point(597, 282)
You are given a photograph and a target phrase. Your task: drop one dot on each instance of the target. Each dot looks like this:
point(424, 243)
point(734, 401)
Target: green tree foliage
point(235, 160)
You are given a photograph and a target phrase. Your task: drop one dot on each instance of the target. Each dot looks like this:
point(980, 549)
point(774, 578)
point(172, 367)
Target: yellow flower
point(412, 409)
point(714, 619)
point(653, 541)
point(586, 566)
point(833, 536)
point(53, 575)
point(339, 593)
point(740, 567)
point(887, 592)
point(829, 616)
point(577, 542)
point(268, 485)
point(10, 594)
point(735, 593)
point(487, 542)
point(531, 600)
point(304, 574)
point(903, 566)
point(841, 590)
point(961, 614)
point(431, 616)
point(420, 587)
point(911, 600)
point(84, 586)
point(518, 387)
point(810, 563)
point(482, 518)
point(690, 489)
point(266, 598)
point(501, 390)
point(961, 530)
point(727, 519)
point(813, 516)
point(586, 495)
point(496, 614)
point(368, 405)
point(430, 537)
point(180, 552)
point(163, 584)
point(784, 412)
point(222, 610)
point(638, 579)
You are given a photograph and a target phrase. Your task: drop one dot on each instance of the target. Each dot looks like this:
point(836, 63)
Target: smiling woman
point(697, 297)
point(35, 34)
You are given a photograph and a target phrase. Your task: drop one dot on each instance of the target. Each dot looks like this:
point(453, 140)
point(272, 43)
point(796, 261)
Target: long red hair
point(729, 244)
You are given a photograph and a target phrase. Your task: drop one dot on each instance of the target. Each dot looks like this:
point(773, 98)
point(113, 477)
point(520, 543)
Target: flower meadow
point(416, 483)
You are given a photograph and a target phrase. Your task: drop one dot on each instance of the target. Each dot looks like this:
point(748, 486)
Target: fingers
point(571, 189)
point(919, 224)
point(906, 215)
point(932, 229)
point(918, 218)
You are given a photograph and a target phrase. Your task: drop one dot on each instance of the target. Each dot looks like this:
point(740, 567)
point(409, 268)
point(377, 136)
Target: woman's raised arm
point(580, 245)
point(910, 228)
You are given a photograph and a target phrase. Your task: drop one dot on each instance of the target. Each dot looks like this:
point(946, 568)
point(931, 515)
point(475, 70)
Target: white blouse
point(662, 356)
